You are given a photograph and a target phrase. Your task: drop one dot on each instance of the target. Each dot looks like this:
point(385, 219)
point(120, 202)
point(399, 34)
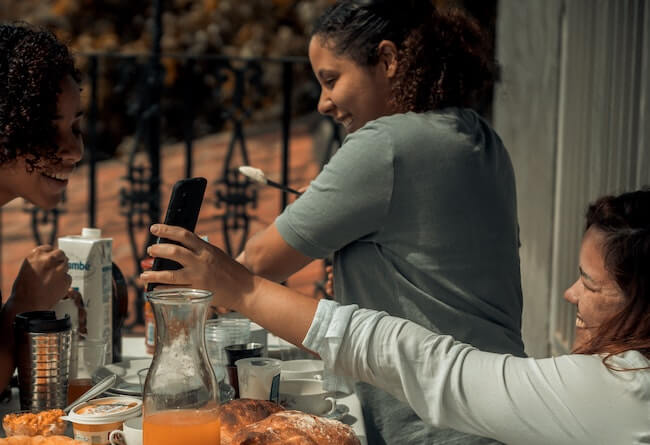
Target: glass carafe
point(181, 396)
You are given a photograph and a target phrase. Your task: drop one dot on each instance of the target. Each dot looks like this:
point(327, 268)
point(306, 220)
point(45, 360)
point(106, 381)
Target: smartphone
point(183, 211)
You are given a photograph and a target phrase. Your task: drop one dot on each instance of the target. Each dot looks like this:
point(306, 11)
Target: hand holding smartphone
point(183, 211)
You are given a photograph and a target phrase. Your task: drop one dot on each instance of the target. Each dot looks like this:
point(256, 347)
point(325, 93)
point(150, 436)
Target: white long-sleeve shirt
point(571, 399)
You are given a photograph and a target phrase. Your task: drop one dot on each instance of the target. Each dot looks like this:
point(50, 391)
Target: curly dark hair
point(32, 65)
point(444, 57)
point(625, 222)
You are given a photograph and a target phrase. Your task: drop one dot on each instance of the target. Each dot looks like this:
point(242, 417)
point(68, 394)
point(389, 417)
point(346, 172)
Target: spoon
point(96, 390)
point(258, 175)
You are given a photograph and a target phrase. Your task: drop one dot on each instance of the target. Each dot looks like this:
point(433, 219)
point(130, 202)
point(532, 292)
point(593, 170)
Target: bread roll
point(238, 413)
point(295, 428)
point(40, 440)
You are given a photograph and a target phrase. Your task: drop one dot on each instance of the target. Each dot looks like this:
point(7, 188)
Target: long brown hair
point(625, 222)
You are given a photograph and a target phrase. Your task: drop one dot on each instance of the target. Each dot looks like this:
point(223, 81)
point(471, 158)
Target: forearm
point(453, 385)
point(267, 254)
point(281, 310)
point(7, 358)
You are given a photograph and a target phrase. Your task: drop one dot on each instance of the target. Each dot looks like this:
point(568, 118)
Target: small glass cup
point(90, 355)
point(223, 332)
point(142, 377)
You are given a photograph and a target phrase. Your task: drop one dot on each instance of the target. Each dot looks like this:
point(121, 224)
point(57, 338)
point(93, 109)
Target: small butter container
point(93, 421)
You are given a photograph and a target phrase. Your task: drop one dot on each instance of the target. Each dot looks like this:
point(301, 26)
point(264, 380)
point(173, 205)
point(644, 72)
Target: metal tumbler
point(43, 359)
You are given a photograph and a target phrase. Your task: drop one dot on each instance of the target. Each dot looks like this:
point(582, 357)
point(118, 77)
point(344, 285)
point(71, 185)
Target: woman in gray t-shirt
point(418, 206)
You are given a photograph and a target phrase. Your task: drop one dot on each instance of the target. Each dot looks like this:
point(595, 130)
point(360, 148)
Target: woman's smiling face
point(595, 293)
point(44, 185)
point(350, 93)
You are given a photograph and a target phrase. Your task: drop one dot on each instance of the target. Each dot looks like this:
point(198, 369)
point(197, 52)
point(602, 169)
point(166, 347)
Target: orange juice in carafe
point(180, 397)
point(183, 426)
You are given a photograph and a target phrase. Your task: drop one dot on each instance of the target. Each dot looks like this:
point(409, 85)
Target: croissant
point(295, 428)
point(238, 413)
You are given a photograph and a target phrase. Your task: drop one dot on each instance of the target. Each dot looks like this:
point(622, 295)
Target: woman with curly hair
point(418, 205)
point(598, 394)
point(40, 144)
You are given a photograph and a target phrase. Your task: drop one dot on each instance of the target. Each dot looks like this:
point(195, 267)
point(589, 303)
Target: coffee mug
point(307, 395)
point(302, 369)
point(130, 434)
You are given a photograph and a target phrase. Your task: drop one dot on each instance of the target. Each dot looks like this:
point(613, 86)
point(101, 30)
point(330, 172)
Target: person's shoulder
point(448, 123)
point(631, 369)
point(404, 122)
point(404, 128)
point(629, 361)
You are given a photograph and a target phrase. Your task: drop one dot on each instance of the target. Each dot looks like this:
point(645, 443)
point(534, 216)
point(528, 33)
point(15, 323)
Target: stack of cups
point(222, 332)
point(43, 359)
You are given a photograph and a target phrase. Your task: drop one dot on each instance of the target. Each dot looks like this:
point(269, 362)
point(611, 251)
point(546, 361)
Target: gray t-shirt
point(419, 210)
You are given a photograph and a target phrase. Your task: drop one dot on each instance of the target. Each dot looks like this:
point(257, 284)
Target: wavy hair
point(32, 65)
point(625, 222)
point(444, 57)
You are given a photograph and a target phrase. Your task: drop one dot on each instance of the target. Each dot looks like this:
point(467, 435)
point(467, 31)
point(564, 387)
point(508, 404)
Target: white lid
point(91, 232)
point(105, 410)
point(258, 362)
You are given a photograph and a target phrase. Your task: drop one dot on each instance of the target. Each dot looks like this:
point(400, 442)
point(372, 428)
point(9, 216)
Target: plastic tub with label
point(93, 421)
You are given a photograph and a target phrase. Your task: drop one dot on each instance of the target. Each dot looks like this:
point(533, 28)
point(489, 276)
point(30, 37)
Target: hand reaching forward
point(204, 266)
point(42, 279)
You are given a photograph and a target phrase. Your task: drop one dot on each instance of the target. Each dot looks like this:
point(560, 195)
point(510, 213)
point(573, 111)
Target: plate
point(127, 383)
point(340, 412)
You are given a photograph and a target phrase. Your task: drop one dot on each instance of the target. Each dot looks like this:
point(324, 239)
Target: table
point(133, 347)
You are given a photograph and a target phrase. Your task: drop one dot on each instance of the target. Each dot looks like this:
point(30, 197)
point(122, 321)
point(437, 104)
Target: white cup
point(130, 434)
point(307, 395)
point(259, 378)
point(302, 369)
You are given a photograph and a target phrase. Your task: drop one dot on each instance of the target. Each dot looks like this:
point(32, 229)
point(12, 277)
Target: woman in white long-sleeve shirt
point(598, 394)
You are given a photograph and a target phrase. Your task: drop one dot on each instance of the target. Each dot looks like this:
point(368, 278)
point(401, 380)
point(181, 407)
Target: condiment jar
point(93, 421)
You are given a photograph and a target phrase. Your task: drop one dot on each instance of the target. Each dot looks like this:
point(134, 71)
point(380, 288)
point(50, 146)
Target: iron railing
point(144, 75)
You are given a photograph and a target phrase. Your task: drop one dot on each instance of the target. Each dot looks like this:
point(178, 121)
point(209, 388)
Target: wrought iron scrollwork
point(232, 191)
point(45, 223)
point(141, 197)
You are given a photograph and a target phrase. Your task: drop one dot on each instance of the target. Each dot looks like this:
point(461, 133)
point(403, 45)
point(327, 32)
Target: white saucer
point(128, 382)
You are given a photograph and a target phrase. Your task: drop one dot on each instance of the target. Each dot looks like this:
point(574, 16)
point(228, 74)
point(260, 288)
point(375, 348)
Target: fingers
point(178, 234)
point(329, 285)
point(46, 257)
point(172, 252)
point(222, 310)
point(42, 249)
point(175, 277)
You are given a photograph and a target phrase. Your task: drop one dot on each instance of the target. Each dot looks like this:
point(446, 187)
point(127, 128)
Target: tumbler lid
point(245, 350)
point(41, 322)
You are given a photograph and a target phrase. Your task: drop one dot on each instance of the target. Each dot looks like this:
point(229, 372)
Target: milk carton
point(90, 266)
